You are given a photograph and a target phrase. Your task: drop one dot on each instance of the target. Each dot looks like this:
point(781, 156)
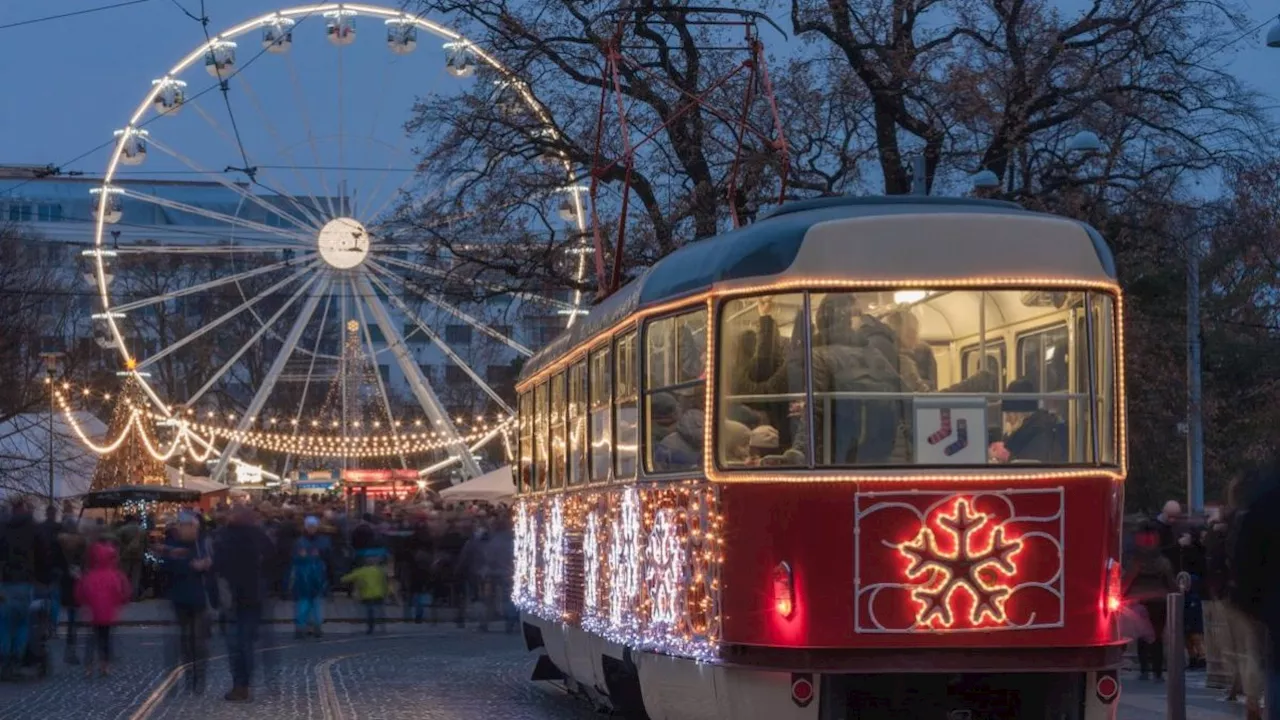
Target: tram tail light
point(1113, 593)
point(784, 594)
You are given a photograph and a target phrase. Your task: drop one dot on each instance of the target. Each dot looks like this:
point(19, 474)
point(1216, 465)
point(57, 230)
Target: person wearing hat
point(1031, 433)
point(308, 577)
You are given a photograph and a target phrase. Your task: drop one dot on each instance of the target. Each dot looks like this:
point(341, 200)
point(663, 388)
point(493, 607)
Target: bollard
point(1175, 659)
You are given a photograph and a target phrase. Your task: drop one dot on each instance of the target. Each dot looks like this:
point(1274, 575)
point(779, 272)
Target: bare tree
point(1002, 84)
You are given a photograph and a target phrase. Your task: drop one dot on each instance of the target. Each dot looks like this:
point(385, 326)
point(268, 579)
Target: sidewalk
point(338, 609)
point(1146, 700)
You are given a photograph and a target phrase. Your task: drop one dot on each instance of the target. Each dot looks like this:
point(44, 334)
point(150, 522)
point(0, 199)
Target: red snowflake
point(977, 556)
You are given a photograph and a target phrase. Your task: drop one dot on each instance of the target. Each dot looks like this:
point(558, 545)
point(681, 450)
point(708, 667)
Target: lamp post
point(51, 371)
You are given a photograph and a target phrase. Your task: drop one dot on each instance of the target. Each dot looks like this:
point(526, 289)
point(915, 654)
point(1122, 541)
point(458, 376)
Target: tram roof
point(772, 245)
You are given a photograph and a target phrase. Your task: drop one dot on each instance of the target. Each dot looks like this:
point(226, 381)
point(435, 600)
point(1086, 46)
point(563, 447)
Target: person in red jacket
point(103, 590)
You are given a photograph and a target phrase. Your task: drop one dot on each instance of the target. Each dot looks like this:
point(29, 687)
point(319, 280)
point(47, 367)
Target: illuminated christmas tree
point(129, 464)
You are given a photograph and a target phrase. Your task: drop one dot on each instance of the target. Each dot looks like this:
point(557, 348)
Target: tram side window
point(601, 405)
point(675, 392)
point(1044, 368)
point(1043, 359)
point(541, 461)
point(1104, 342)
point(559, 439)
point(578, 423)
point(762, 381)
point(994, 362)
point(526, 442)
point(626, 417)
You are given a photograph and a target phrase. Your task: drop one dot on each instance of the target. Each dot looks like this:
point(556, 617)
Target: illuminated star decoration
point(971, 566)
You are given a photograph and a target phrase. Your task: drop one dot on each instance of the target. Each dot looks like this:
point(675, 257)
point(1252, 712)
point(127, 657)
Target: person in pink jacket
point(103, 589)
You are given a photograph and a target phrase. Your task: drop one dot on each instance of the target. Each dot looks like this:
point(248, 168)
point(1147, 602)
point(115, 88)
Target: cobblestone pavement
point(405, 671)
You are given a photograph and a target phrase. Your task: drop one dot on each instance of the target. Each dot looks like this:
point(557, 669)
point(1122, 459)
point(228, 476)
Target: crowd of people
point(221, 570)
point(1225, 565)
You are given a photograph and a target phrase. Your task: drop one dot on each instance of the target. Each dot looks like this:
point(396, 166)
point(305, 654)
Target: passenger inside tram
point(852, 396)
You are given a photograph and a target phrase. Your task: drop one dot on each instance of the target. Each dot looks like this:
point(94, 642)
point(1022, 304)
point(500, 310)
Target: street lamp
point(1084, 142)
point(985, 180)
point(51, 372)
point(1273, 35)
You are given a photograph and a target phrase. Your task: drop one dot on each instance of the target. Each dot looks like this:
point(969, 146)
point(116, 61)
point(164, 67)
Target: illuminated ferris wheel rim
point(282, 21)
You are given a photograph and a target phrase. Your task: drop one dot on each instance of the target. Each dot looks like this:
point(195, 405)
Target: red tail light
point(1113, 592)
point(784, 595)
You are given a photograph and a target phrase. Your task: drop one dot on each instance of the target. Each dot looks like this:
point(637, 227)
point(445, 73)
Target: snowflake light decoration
point(553, 556)
point(591, 565)
point(664, 571)
point(971, 557)
point(624, 562)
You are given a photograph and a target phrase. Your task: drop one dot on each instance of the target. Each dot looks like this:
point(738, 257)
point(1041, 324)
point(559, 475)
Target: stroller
point(37, 656)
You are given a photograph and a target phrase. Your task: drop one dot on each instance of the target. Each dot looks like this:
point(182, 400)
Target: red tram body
point(708, 531)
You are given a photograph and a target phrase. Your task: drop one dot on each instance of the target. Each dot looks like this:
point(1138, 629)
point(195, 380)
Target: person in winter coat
point(186, 561)
point(242, 558)
point(448, 577)
point(419, 556)
point(1035, 434)
point(1148, 580)
point(370, 584)
point(308, 580)
point(500, 564)
point(72, 544)
point(1254, 548)
point(103, 590)
point(23, 563)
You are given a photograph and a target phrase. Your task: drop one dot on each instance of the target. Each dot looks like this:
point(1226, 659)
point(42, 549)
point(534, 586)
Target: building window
point(500, 375)
point(503, 330)
point(49, 212)
point(457, 334)
point(675, 392)
point(385, 372)
point(454, 375)
point(375, 333)
point(19, 212)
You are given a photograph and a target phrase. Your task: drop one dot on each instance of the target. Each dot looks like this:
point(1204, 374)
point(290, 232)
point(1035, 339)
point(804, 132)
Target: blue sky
point(89, 72)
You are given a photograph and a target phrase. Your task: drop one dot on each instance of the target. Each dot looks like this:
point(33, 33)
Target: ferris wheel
point(245, 262)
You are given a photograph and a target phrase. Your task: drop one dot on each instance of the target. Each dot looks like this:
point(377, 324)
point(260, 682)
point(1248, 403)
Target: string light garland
point(650, 559)
point(553, 558)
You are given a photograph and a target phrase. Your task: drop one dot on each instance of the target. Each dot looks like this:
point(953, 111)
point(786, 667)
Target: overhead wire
point(77, 13)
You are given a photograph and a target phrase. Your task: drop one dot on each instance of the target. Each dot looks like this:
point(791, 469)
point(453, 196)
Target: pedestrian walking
point(308, 579)
point(186, 562)
point(369, 584)
point(23, 557)
point(72, 543)
point(419, 556)
point(1148, 581)
point(103, 590)
point(242, 556)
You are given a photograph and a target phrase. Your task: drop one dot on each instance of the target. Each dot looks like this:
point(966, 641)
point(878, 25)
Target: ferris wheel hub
point(343, 243)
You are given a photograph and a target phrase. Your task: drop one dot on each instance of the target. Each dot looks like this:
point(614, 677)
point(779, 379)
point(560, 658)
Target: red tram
point(861, 459)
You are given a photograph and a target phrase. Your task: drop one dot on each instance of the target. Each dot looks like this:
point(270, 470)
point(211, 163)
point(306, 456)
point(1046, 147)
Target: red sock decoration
point(944, 432)
point(962, 438)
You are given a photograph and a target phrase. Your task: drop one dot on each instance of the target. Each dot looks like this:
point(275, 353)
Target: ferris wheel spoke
point(238, 189)
point(439, 342)
point(301, 239)
point(300, 98)
point(454, 310)
point(318, 289)
point(342, 137)
point(382, 388)
point(237, 277)
point(417, 381)
point(372, 217)
point(203, 249)
point(559, 305)
point(303, 183)
point(311, 367)
point(218, 321)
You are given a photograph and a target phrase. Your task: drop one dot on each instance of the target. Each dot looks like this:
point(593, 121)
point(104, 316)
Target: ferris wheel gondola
point(281, 277)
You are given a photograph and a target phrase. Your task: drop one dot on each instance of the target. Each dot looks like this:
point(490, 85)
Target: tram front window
point(893, 378)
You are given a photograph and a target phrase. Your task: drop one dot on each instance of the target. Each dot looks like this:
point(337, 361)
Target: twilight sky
point(89, 73)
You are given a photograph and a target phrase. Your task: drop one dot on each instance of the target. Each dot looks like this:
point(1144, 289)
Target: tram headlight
point(784, 596)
